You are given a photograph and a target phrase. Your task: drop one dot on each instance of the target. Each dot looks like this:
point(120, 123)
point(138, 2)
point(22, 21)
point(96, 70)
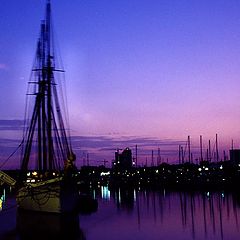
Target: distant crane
point(104, 162)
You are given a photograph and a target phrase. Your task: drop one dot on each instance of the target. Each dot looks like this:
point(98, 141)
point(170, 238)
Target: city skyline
point(154, 70)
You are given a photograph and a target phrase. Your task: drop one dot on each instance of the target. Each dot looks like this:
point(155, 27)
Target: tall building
point(123, 160)
point(235, 156)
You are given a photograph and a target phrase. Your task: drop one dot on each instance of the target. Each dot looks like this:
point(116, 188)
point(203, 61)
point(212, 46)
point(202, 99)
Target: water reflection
point(200, 215)
point(124, 198)
point(128, 213)
point(2, 198)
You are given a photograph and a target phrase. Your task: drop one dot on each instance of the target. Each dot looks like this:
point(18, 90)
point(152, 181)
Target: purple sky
point(151, 68)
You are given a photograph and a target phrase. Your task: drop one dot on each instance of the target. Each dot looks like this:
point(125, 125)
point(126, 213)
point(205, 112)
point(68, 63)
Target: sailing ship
point(46, 182)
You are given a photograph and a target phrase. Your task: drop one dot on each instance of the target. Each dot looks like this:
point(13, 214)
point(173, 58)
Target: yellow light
point(34, 173)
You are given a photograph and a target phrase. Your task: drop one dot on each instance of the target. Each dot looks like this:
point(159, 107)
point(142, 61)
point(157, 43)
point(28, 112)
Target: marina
point(112, 161)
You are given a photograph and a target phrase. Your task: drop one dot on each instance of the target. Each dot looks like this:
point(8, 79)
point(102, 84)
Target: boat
point(46, 181)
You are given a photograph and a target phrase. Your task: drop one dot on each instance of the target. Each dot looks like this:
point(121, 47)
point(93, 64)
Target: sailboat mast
point(209, 153)
point(217, 147)
point(49, 84)
point(41, 116)
point(189, 150)
point(201, 148)
point(46, 136)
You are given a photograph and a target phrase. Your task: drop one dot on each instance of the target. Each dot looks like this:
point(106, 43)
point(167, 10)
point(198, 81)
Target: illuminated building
point(123, 160)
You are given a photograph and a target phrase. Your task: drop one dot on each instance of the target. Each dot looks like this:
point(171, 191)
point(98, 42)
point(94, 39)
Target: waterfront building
point(123, 160)
point(235, 156)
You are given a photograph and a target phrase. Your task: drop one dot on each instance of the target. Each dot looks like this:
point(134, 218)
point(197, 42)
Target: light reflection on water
point(125, 213)
point(164, 215)
point(2, 198)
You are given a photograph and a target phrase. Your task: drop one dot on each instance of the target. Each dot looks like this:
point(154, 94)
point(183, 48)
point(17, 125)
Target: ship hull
point(47, 225)
point(52, 196)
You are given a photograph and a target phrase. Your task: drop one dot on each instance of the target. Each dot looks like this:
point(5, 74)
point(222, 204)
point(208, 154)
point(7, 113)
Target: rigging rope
point(11, 154)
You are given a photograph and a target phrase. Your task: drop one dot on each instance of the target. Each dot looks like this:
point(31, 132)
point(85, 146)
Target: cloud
point(12, 125)
point(104, 147)
point(8, 143)
point(100, 148)
point(110, 143)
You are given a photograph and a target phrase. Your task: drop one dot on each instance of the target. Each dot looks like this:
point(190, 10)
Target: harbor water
point(125, 213)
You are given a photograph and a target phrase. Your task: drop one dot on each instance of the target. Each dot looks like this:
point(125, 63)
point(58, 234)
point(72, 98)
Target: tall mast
point(189, 150)
point(182, 155)
point(42, 147)
point(217, 147)
point(201, 148)
point(152, 160)
point(42, 90)
point(46, 137)
point(136, 150)
point(49, 84)
point(159, 157)
point(179, 154)
point(209, 153)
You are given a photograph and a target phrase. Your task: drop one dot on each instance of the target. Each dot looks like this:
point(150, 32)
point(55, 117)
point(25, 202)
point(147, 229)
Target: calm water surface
point(133, 214)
